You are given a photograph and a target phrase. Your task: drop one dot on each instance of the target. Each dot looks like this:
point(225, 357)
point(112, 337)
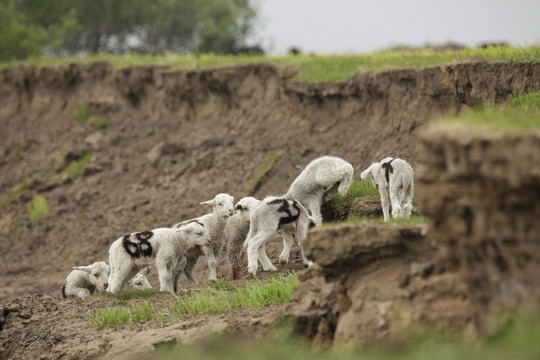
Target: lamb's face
point(98, 275)
point(245, 206)
point(138, 282)
point(197, 234)
point(223, 205)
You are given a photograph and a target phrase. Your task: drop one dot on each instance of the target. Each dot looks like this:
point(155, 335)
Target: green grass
point(76, 167)
point(413, 220)
point(318, 67)
point(111, 316)
point(359, 188)
point(255, 294)
point(218, 298)
point(99, 122)
point(38, 208)
point(520, 114)
point(263, 170)
point(9, 198)
point(83, 111)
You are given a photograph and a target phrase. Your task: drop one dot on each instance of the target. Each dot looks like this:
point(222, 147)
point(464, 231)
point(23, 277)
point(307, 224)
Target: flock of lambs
point(248, 224)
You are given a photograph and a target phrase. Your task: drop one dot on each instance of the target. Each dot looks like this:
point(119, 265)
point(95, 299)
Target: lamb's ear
point(365, 173)
point(145, 270)
point(208, 202)
point(82, 268)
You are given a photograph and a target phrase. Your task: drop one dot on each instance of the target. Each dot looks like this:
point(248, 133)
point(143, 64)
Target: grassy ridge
point(520, 114)
point(218, 298)
point(312, 67)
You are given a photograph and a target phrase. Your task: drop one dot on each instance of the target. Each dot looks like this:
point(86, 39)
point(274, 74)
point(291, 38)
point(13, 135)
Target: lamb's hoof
point(283, 260)
point(308, 264)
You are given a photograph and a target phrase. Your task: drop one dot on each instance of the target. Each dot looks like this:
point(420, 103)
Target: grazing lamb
point(309, 187)
point(83, 281)
point(237, 229)
point(222, 209)
point(396, 176)
point(164, 247)
point(273, 214)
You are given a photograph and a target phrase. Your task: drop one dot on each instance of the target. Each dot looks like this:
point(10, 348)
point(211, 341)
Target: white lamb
point(274, 214)
point(83, 281)
point(222, 209)
point(138, 282)
point(164, 247)
point(237, 229)
point(397, 177)
point(320, 174)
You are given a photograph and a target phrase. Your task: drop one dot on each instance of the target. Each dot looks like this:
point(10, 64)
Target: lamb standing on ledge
point(396, 176)
point(237, 229)
point(165, 247)
point(274, 214)
point(84, 280)
point(222, 208)
point(308, 188)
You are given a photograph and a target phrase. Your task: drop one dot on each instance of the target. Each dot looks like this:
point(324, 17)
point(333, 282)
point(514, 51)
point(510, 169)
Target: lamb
point(397, 176)
point(222, 209)
point(138, 282)
point(236, 230)
point(164, 247)
point(320, 174)
point(273, 214)
point(83, 281)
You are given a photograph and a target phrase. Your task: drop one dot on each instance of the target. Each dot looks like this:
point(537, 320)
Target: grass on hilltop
point(312, 67)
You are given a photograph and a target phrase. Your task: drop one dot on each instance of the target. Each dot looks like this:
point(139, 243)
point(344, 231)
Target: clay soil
point(173, 140)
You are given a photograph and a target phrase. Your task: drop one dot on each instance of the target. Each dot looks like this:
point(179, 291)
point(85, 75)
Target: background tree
point(68, 27)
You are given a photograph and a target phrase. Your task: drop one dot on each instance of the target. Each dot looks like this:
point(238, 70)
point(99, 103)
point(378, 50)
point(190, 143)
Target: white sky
point(349, 26)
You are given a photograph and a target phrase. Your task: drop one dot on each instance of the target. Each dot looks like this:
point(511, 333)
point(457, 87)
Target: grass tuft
point(413, 220)
point(83, 111)
point(99, 122)
point(78, 166)
point(111, 316)
point(38, 208)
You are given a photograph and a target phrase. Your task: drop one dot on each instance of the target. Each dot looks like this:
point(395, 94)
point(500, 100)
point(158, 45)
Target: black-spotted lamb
point(271, 215)
point(319, 175)
point(215, 222)
point(237, 229)
point(84, 281)
point(164, 247)
point(394, 176)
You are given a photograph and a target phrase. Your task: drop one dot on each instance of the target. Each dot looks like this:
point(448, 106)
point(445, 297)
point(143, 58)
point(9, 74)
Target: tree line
point(71, 27)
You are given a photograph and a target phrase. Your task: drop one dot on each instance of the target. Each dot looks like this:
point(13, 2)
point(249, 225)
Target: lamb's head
point(98, 274)
point(196, 233)
point(245, 206)
point(138, 282)
point(371, 172)
point(222, 204)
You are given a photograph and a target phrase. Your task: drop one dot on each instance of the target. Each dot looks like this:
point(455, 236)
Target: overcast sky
point(349, 26)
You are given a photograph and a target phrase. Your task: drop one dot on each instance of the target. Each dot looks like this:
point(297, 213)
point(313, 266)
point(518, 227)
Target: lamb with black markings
point(394, 176)
point(164, 247)
point(271, 215)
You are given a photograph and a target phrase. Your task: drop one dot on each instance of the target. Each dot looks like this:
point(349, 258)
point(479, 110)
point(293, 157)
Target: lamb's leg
point(165, 274)
point(233, 254)
point(120, 276)
point(288, 242)
point(384, 202)
point(265, 261)
point(252, 251)
point(212, 263)
point(394, 198)
point(313, 205)
point(188, 269)
point(407, 207)
point(346, 182)
point(305, 260)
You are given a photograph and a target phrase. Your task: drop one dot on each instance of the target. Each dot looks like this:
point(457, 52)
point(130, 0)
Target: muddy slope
point(176, 138)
